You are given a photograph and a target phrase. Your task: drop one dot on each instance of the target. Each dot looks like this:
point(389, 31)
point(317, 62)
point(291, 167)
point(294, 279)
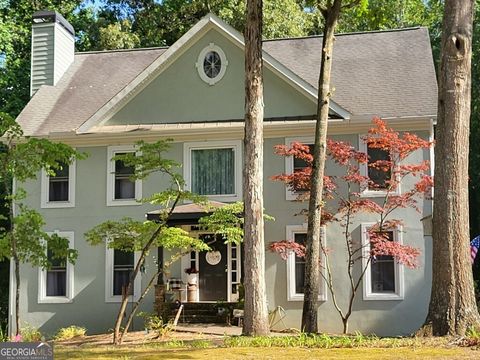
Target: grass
point(146, 352)
point(285, 347)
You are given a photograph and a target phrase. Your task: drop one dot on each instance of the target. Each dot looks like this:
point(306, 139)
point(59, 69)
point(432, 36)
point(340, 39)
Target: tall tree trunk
point(312, 257)
point(452, 305)
point(256, 312)
point(17, 295)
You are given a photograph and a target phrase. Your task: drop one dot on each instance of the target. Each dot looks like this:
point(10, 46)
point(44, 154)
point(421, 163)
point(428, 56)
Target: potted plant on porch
point(192, 283)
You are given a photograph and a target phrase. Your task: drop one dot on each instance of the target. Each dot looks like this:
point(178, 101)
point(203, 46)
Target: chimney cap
point(47, 16)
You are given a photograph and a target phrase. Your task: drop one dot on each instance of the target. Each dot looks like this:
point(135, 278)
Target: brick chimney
point(53, 48)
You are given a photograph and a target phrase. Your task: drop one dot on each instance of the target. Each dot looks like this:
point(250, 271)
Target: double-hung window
point(293, 164)
point(119, 267)
point(383, 278)
point(58, 190)
point(378, 178)
point(296, 265)
point(121, 188)
point(123, 263)
point(214, 169)
point(56, 282)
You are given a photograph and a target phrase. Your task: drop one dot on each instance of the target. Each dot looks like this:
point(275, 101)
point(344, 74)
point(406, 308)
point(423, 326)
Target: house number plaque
point(213, 257)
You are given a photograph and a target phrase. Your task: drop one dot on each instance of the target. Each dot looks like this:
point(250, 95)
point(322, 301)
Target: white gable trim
point(176, 50)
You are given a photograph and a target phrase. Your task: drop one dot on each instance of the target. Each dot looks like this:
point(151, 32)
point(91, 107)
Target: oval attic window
point(211, 64)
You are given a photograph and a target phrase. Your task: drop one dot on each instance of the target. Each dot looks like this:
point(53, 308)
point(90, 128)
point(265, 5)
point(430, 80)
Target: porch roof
point(187, 214)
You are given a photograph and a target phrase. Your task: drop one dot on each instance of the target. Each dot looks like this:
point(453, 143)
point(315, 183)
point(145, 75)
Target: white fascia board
point(210, 21)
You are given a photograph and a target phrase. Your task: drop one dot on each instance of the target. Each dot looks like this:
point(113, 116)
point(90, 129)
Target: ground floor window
point(119, 267)
point(56, 282)
point(296, 265)
point(383, 278)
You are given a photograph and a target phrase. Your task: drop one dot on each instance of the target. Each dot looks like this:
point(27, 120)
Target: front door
point(213, 270)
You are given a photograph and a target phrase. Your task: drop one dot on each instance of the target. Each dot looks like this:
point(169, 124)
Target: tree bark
point(256, 312)
point(452, 305)
point(17, 294)
point(117, 335)
point(312, 257)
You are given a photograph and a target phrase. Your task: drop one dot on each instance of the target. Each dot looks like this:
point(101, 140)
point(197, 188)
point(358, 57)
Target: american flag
point(474, 246)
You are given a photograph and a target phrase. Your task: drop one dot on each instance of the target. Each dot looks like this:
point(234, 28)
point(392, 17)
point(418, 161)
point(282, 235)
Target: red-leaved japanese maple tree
point(344, 200)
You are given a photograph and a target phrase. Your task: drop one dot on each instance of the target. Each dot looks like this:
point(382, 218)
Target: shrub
point(29, 333)
point(3, 333)
point(70, 333)
point(155, 323)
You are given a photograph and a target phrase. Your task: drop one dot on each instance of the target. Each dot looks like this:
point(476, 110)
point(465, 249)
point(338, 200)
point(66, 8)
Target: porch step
point(200, 312)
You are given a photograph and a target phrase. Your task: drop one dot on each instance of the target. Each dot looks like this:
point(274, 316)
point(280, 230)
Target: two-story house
point(193, 92)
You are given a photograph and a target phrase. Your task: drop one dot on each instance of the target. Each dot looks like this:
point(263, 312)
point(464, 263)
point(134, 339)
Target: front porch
point(206, 283)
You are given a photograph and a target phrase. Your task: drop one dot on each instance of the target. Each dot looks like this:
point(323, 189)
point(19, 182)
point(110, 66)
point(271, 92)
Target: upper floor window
point(58, 190)
point(293, 164)
point(296, 265)
point(214, 169)
point(121, 188)
point(383, 278)
point(378, 178)
point(56, 282)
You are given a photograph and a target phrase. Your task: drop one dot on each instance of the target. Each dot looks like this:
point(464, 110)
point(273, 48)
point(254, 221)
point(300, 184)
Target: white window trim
point(42, 277)
point(111, 201)
point(289, 194)
point(292, 295)
point(367, 278)
point(45, 190)
point(236, 145)
point(199, 64)
point(137, 284)
point(363, 168)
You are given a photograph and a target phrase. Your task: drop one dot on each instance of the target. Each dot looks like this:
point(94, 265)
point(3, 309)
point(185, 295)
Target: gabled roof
point(386, 73)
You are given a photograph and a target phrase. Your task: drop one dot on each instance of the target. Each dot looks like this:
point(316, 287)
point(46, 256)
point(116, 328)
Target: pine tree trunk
point(256, 312)
point(452, 305)
point(17, 294)
point(312, 257)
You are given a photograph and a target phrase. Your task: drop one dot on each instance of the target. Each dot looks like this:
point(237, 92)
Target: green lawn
point(154, 351)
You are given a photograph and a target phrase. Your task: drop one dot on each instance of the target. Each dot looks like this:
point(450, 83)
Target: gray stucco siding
point(89, 308)
point(179, 95)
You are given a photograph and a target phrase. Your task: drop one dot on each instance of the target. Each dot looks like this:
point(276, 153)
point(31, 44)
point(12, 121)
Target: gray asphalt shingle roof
point(385, 73)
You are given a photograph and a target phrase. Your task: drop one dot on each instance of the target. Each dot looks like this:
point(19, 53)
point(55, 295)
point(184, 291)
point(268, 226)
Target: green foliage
point(70, 332)
point(163, 22)
point(227, 221)
point(15, 35)
point(131, 235)
point(31, 242)
point(30, 333)
point(118, 36)
point(155, 323)
point(3, 332)
point(304, 340)
point(22, 159)
point(380, 15)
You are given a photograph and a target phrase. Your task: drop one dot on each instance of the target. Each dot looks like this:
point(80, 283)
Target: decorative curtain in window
point(213, 171)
